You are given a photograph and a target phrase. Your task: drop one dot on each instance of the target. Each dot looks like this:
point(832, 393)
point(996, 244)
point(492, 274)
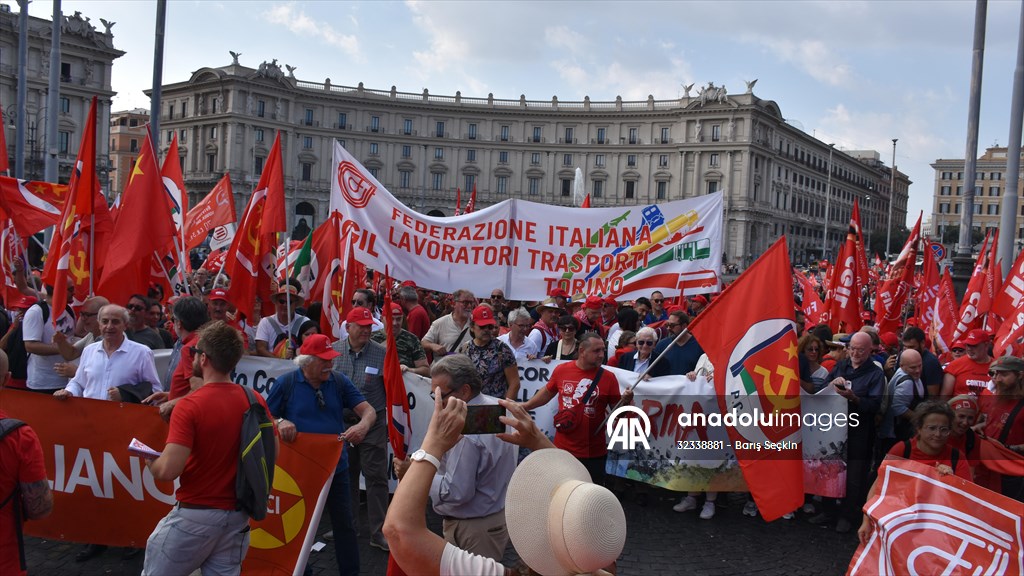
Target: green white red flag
point(748, 333)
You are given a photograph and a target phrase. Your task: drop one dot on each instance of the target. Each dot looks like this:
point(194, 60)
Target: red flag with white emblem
point(899, 282)
point(975, 304)
point(1009, 298)
point(37, 205)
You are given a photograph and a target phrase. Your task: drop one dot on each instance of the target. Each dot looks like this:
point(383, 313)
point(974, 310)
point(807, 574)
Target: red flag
point(898, 284)
point(1009, 338)
point(37, 205)
point(12, 248)
point(862, 256)
point(811, 304)
point(471, 205)
point(975, 305)
point(144, 227)
point(586, 202)
point(1009, 298)
point(177, 199)
point(250, 261)
point(748, 335)
point(927, 288)
point(399, 415)
point(458, 202)
point(993, 286)
point(215, 259)
point(216, 209)
point(83, 226)
point(326, 245)
point(842, 301)
point(944, 315)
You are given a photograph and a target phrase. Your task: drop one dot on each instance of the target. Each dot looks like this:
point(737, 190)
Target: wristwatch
point(422, 456)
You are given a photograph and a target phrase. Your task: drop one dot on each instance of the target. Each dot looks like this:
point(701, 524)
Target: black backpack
point(15, 349)
point(954, 457)
point(8, 425)
point(256, 459)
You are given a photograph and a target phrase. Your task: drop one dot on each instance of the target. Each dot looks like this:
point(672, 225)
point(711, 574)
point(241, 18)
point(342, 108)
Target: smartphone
point(483, 419)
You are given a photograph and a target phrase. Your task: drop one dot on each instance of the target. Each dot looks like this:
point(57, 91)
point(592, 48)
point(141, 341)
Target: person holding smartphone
point(468, 491)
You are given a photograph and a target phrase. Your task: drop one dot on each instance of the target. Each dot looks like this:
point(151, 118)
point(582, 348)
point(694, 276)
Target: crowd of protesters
point(912, 402)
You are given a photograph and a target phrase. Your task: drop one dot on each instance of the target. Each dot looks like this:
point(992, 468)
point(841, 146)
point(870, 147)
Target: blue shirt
point(680, 360)
point(300, 405)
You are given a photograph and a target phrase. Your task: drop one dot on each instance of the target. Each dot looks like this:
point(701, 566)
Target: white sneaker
point(750, 509)
point(708, 511)
point(808, 508)
point(686, 504)
point(787, 516)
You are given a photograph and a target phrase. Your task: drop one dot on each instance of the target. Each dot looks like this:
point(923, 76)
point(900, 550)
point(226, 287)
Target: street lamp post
point(828, 197)
point(867, 219)
point(892, 192)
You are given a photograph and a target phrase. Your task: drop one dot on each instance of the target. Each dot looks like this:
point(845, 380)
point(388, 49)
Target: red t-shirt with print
point(570, 384)
point(971, 377)
point(21, 462)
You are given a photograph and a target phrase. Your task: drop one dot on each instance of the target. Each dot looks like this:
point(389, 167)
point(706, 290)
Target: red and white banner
point(930, 524)
point(217, 209)
point(528, 249)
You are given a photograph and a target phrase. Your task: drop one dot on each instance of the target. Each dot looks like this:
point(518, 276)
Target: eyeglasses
point(320, 402)
point(444, 395)
point(567, 328)
point(195, 350)
point(497, 297)
point(645, 342)
point(672, 324)
point(659, 300)
point(524, 326)
point(135, 307)
point(940, 430)
point(359, 303)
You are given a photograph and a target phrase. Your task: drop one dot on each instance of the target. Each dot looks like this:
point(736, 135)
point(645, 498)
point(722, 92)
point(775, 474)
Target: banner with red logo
point(930, 524)
point(528, 249)
point(85, 448)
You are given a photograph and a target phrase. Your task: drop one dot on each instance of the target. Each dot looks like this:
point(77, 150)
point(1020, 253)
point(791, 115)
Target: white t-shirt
point(528, 347)
point(458, 562)
point(269, 328)
point(41, 375)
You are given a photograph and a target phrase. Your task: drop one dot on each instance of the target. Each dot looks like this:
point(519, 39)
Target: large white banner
point(528, 249)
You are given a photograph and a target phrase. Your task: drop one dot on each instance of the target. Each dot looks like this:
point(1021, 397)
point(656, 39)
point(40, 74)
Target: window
point(503, 157)
point(633, 135)
point(307, 142)
point(438, 153)
point(341, 142)
point(65, 105)
point(662, 190)
point(598, 188)
point(716, 132)
point(631, 160)
point(664, 135)
point(439, 130)
point(182, 109)
point(64, 141)
point(472, 132)
point(342, 121)
point(170, 112)
point(406, 151)
point(374, 150)
point(630, 189)
point(132, 123)
point(534, 186)
point(995, 176)
point(259, 134)
point(599, 160)
point(215, 103)
point(436, 180)
point(956, 208)
point(568, 136)
point(504, 133)
point(407, 126)
point(471, 155)
point(713, 159)
point(566, 186)
point(502, 185)
point(213, 132)
point(663, 161)
point(307, 171)
point(601, 132)
point(945, 191)
point(535, 159)
point(993, 209)
point(182, 136)
point(993, 190)
point(65, 72)
point(374, 123)
point(536, 133)
point(133, 145)
point(258, 165)
point(470, 181)
point(566, 159)
point(375, 172)
point(404, 178)
point(307, 117)
point(261, 108)
point(947, 175)
point(944, 208)
point(959, 190)
point(211, 162)
point(977, 209)
point(712, 187)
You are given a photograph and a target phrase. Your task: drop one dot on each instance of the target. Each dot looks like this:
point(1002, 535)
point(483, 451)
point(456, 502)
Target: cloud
point(296, 21)
point(813, 57)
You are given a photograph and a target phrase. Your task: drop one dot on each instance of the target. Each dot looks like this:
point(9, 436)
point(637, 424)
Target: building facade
point(424, 147)
point(127, 131)
point(989, 187)
point(86, 60)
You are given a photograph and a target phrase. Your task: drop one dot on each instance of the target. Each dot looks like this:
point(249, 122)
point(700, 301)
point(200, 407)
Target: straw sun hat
point(559, 521)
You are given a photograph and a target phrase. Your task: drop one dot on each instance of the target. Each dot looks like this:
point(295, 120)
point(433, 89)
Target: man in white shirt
point(277, 335)
point(38, 330)
point(450, 331)
point(115, 368)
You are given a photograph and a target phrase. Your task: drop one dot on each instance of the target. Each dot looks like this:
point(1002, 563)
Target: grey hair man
point(448, 332)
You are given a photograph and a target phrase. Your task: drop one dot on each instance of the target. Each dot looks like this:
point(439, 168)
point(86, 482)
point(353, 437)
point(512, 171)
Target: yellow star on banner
point(137, 169)
point(791, 350)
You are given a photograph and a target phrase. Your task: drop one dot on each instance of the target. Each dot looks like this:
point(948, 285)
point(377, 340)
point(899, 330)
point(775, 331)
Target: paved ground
point(660, 541)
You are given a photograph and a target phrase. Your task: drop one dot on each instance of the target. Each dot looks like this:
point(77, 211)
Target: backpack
point(257, 455)
point(954, 457)
point(8, 425)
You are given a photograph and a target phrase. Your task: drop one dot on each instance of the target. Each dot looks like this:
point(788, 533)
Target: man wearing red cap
point(314, 399)
point(1003, 408)
point(361, 360)
point(277, 334)
point(609, 312)
point(410, 352)
point(220, 307)
point(590, 316)
point(699, 303)
point(561, 297)
point(969, 373)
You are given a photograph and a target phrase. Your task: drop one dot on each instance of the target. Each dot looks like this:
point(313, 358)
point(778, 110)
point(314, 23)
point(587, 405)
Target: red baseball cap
point(889, 339)
point(558, 293)
point(976, 336)
point(24, 303)
point(396, 309)
point(959, 344)
point(360, 316)
point(483, 316)
point(318, 345)
point(219, 294)
point(865, 315)
point(700, 299)
point(593, 302)
point(609, 301)
point(409, 283)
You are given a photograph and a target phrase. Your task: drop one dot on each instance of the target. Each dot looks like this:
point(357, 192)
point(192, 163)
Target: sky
point(857, 74)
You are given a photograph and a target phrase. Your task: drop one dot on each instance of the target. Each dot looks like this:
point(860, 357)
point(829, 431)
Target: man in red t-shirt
point(1003, 414)
point(416, 318)
point(189, 314)
point(968, 374)
point(204, 530)
point(23, 470)
point(569, 381)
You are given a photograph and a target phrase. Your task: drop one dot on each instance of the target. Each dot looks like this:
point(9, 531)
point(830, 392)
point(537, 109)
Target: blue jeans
point(339, 506)
point(186, 539)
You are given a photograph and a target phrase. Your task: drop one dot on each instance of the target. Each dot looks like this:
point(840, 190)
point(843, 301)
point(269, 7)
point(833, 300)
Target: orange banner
point(930, 524)
point(94, 477)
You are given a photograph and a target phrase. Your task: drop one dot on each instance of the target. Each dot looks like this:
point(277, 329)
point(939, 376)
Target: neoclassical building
point(989, 187)
point(86, 59)
point(423, 147)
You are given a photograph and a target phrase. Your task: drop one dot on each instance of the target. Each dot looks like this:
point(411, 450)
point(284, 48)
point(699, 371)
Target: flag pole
point(162, 267)
point(92, 253)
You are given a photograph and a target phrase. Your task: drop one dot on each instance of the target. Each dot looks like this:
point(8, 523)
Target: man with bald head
point(903, 393)
point(862, 383)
